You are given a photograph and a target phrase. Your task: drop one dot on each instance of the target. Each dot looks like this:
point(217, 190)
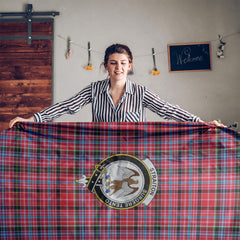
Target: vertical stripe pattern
point(131, 107)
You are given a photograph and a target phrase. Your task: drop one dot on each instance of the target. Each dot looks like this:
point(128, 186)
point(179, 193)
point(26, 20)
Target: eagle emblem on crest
point(123, 181)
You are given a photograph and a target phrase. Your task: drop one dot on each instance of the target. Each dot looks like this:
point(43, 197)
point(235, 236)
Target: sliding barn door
point(25, 68)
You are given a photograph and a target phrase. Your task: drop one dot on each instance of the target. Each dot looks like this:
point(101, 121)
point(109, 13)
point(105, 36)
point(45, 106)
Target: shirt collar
point(127, 90)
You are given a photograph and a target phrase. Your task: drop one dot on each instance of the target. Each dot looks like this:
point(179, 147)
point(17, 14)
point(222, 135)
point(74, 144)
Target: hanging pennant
point(89, 65)
point(69, 50)
point(155, 70)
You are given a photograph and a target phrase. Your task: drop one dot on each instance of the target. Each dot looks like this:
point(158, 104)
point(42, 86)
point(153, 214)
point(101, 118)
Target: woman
point(115, 99)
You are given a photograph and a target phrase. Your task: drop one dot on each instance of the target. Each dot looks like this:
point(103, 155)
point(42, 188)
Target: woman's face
point(118, 66)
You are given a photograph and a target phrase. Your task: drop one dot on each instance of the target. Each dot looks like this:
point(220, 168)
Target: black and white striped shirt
point(131, 107)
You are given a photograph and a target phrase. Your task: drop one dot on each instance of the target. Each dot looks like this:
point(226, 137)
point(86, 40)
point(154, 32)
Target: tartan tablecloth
point(197, 197)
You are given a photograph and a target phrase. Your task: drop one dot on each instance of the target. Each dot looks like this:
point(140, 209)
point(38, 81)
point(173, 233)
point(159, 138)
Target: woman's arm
point(70, 106)
point(166, 110)
point(169, 111)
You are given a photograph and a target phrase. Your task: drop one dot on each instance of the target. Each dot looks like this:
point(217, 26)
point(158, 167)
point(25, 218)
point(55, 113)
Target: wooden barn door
point(25, 68)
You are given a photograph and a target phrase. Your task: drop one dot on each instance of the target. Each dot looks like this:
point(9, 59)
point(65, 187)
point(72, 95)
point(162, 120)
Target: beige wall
point(143, 24)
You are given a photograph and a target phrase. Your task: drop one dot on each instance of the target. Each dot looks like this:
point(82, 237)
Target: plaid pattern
point(198, 168)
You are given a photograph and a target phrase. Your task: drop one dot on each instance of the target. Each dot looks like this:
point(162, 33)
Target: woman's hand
point(215, 122)
point(218, 124)
point(19, 119)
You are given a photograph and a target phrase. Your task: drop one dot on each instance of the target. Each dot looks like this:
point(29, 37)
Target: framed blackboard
point(189, 57)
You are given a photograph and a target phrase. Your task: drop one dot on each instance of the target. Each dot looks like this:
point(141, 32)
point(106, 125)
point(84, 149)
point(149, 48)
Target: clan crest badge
point(123, 181)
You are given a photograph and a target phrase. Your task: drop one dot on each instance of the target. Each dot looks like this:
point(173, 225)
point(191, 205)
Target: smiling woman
point(115, 99)
point(118, 66)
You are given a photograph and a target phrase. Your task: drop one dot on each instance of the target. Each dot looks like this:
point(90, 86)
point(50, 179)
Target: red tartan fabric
point(197, 165)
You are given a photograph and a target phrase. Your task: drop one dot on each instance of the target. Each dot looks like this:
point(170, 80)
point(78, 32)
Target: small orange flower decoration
point(155, 72)
point(89, 67)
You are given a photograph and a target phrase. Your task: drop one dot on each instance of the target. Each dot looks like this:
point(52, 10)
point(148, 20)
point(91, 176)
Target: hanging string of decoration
point(69, 50)
point(155, 71)
point(221, 46)
point(89, 65)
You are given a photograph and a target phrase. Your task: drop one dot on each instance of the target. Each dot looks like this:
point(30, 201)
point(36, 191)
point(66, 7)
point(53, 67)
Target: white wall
point(143, 24)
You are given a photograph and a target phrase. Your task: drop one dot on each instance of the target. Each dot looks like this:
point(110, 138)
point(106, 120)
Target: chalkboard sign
point(189, 57)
